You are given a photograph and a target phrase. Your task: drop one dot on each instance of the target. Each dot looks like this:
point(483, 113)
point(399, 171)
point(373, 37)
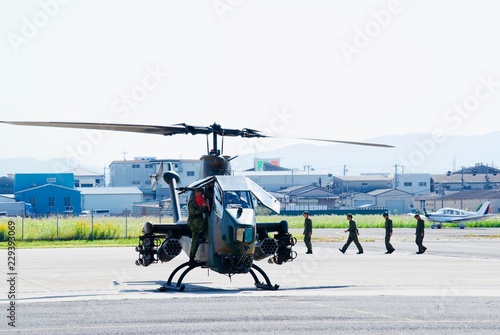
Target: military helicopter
point(232, 240)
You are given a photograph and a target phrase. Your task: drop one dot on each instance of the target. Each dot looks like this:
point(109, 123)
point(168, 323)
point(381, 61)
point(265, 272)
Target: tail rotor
point(158, 175)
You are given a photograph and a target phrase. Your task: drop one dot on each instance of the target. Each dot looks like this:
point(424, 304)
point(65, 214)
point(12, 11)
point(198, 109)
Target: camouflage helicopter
point(232, 239)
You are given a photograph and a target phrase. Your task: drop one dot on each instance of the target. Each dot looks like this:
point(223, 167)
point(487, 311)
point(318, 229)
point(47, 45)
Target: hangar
point(51, 199)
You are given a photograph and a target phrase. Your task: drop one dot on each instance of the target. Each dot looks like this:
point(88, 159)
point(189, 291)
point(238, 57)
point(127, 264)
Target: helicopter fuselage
point(232, 240)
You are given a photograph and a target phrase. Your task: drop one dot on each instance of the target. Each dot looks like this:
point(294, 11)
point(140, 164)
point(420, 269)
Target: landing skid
point(179, 286)
point(267, 285)
point(190, 266)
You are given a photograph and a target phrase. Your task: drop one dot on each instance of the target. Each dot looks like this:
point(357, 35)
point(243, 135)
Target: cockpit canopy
point(237, 192)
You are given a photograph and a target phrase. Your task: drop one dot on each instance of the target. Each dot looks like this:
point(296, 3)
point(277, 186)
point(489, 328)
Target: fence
point(60, 227)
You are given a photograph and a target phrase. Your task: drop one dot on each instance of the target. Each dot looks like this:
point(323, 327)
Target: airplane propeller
point(181, 128)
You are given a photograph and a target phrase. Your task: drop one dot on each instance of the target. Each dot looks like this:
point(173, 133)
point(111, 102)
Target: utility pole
point(345, 170)
point(396, 176)
point(462, 180)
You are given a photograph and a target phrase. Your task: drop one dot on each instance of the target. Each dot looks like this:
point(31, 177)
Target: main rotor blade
point(180, 128)
point(144, 129)
point(333, 141)
point(349, 142)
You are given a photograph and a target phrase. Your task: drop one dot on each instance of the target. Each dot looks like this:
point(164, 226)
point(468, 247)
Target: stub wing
point(160, 242)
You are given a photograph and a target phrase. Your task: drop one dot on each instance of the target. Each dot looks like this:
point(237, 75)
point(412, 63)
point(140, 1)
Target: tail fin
point(483, 210)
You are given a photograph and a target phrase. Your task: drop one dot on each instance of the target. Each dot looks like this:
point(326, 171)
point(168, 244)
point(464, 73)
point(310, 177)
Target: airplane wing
point(467, 218)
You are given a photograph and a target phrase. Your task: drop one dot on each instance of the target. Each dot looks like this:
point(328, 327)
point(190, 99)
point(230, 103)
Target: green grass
point(121, 242)
point(77, 228)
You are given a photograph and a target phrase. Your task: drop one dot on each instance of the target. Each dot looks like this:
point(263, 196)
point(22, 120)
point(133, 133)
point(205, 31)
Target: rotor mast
point(213, 163)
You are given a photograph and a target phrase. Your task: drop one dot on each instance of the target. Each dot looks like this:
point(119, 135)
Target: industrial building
point(87, 178)
point(48, 193)
point(112, 200)
point(51, 199)
point(363, 184)
point(395, 201)
point(275, 181)
point(7, 184)
point(138, 172)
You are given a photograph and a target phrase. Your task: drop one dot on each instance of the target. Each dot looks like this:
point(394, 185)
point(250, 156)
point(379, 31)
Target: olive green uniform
point(388, 233)
point(419, 236)
point(353, 237)
point(197, 223)
point(307, 234)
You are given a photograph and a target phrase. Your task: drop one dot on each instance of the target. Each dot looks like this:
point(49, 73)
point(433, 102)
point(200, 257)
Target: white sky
point(349, 70)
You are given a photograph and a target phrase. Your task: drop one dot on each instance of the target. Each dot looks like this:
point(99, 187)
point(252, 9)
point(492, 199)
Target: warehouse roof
point(108, 190)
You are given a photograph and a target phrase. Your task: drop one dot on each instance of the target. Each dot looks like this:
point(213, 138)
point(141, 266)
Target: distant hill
point(413, 153)
point(31, 165)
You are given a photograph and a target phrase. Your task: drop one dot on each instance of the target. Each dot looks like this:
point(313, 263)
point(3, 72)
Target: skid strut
point(267, 285)
point(190, 266)
point(179, 286)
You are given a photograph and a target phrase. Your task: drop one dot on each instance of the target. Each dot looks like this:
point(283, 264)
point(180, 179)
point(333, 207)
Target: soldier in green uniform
point(196, 221)
point(419, 235)
point(388, 234)
point(308, 232)
point(353, 236)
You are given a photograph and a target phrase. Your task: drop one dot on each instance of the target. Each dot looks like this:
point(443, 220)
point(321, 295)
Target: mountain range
point(413, 153)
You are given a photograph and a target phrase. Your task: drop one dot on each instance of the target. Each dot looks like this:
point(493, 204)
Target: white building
point(413, 183)
point(274, 181)
point(137, 173)
point(86, 178)
point(118, 200)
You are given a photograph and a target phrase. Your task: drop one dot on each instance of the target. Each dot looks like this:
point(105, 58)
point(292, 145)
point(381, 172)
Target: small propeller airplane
point(232, 240)
point(453, 215)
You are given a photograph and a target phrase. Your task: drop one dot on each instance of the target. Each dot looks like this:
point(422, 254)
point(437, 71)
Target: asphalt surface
point(453, 288)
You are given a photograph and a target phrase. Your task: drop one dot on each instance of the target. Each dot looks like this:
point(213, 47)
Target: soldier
point(419, 235)
point(307, 232)
point(388, 234)
point(197, 222)
point(353, 236)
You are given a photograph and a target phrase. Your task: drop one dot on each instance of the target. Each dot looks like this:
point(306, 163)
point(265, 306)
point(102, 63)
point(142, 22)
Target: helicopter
point(233, 239)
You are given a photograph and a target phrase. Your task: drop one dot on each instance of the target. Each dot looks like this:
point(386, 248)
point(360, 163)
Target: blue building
point(48, 193)
point(24, 181)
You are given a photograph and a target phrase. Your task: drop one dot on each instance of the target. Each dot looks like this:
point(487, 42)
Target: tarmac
point(457, 262)
point(452, 288)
